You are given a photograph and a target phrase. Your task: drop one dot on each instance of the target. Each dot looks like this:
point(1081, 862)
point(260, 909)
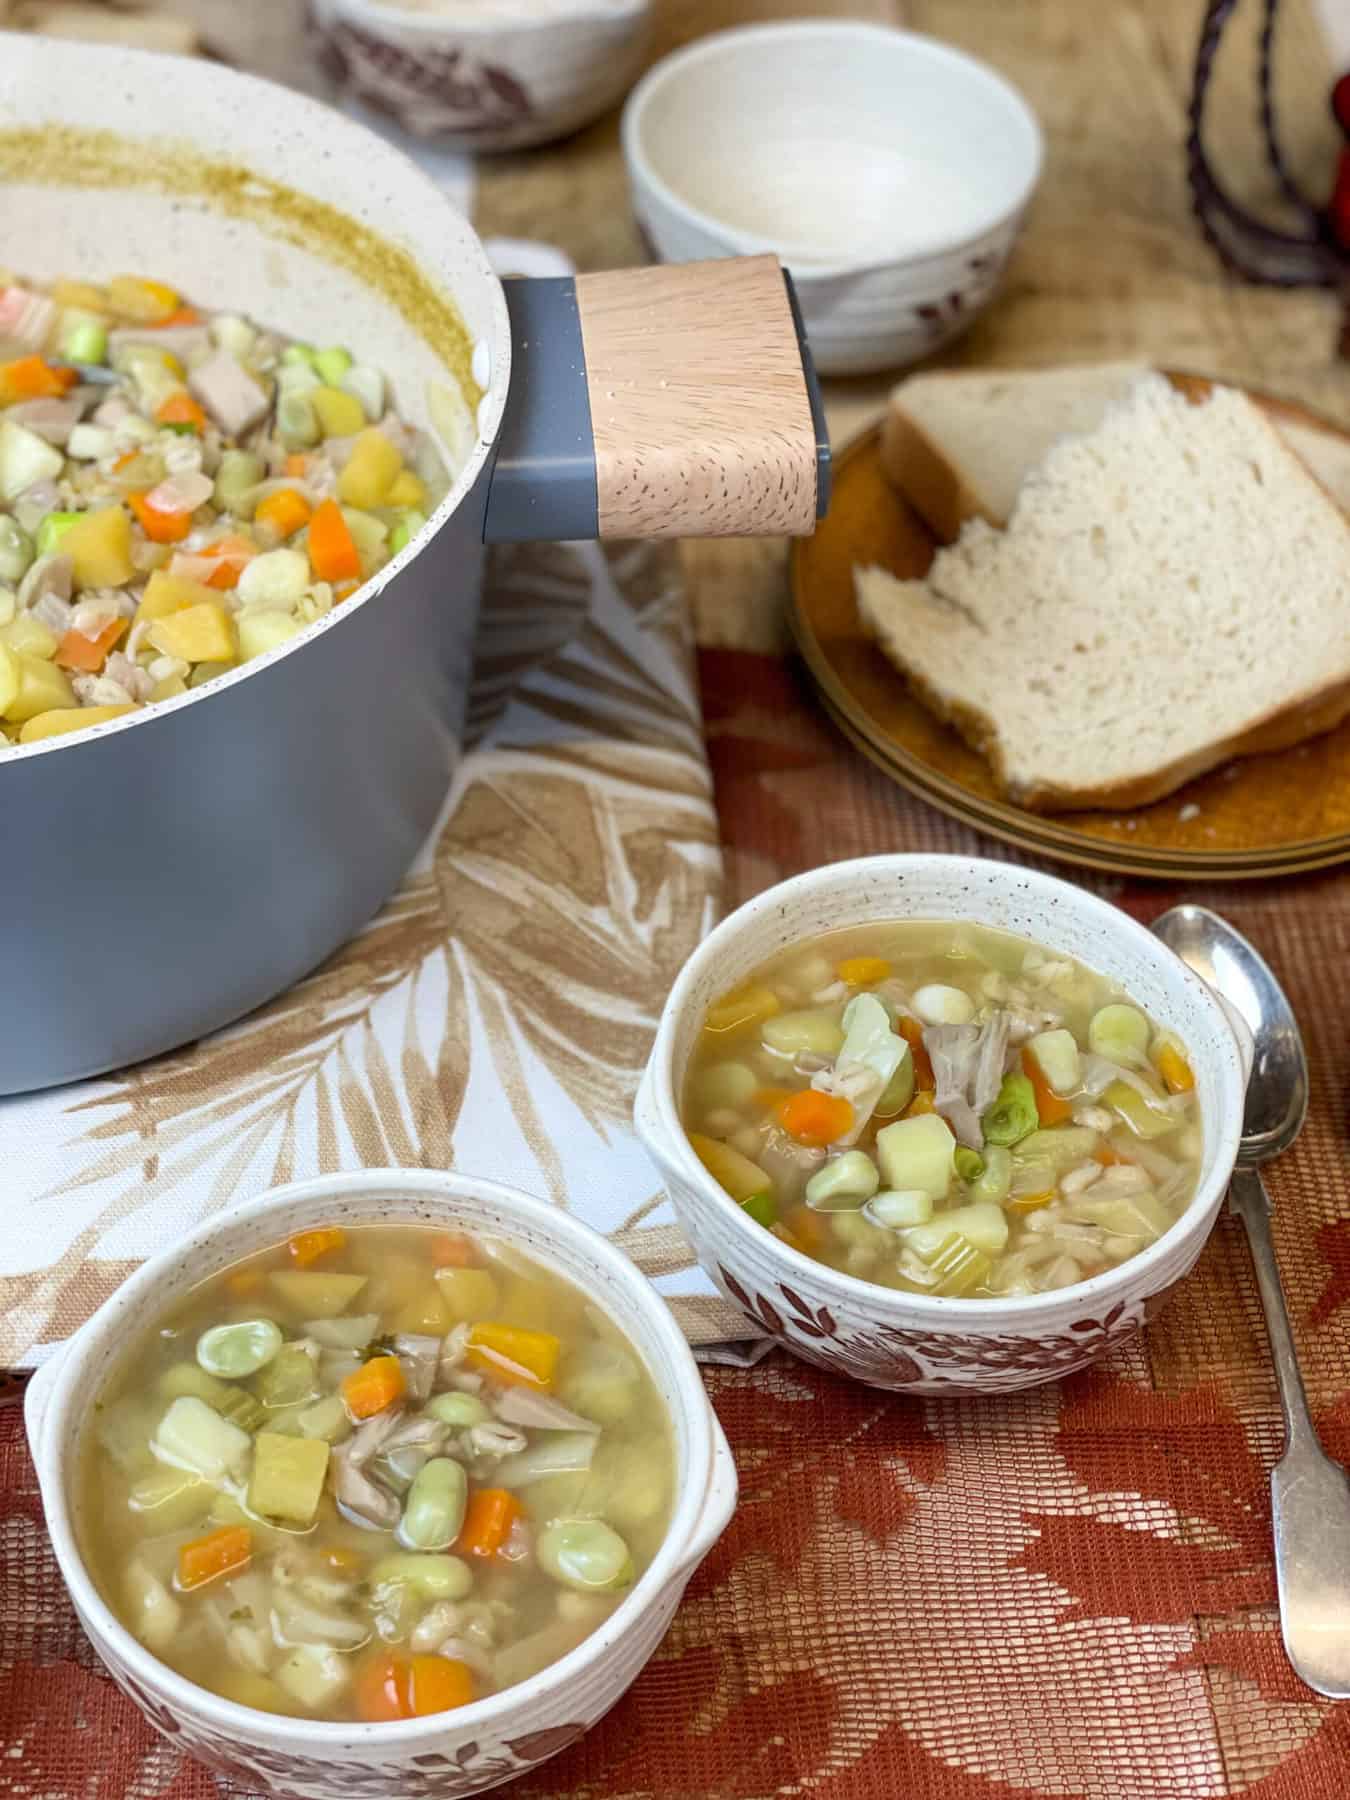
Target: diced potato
point(741, 1178)
point(265, 629)
point(288, 1476)
point(288, 1380)
point(340, 415)
point(29, 637)
point(99, 546)
point(470, 1294)
point(326, 1419)
point(165, 594)
point(424, 1312)
point(191, 1436)
point(201, 633)
point(313, 1674)
point(983, 1224)
point(169, 688)
point(939, 1004)
point(407, 490)
point(247, 1688)
point(1059, 1059)
point(370, 472)
point(316, 1295)
point(68, 718)
point(41, 688)
point(171, 1499)
point(918, 1153)
point(152, 1612)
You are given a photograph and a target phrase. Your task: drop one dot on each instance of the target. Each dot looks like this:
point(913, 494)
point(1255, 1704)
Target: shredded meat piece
point(453, 1348)
point(419, 1357)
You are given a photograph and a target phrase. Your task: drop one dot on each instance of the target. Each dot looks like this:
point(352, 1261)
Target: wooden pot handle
point(675, 401)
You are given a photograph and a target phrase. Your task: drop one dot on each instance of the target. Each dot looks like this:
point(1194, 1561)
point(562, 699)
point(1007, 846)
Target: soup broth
point(945, 1109)
point(374, 1473)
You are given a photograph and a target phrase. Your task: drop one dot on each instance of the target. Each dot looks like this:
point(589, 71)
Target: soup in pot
point(180, 491)
point(945, 1109)
point(375, 1473)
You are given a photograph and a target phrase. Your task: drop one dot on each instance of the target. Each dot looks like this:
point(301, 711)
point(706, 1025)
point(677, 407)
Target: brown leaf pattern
point(495, 1016)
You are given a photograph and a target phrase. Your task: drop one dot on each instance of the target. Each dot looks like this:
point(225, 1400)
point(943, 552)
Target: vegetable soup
point(180, 491)
point(945, 1109)
point(375, 1473)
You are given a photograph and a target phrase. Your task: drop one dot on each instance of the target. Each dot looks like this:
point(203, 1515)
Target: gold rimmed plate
point(1257, 816)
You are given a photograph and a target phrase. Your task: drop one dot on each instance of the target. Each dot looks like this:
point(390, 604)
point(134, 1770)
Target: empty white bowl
point(888, 171)
point(496, 75)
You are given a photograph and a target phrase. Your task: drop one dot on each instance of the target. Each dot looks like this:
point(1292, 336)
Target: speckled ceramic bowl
point(889, 171)
point(490, 1741)
point(918, 1343)
point(503, 77)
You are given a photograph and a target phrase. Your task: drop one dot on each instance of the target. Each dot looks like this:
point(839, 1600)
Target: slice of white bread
point(1171, 590)
point(959, 443)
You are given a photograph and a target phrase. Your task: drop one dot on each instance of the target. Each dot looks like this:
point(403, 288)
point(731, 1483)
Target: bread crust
point(934, 487)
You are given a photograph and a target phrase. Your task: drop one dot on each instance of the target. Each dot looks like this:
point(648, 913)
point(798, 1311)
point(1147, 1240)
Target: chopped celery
point(190, 1436)
point(332, 364)
point(289, 1379)
point(232, 1403)
point(959, 1267)
point(84, 337)
point(993, 1184)
point(233, 1351)
point(1121, 1034)
point(762, 1208)
point(1145, 1119)
point(410, 521)
point(239, 473)
point(53, 528)
point(917, 1153)
point(287, 1479)
point(1013, 1114)
point(303, 354)
point(844, 1183)
point(314, 1294)
point(983, 1223)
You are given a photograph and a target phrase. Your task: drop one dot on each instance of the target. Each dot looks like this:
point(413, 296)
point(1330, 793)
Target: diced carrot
point(127, 457)
point(395, 1687)
point(344, 591)
point(809, 1229)
point(182, 315)
point(925, 1101)
point(912, 1032)
point(233, 554)
point(453, 1250)
point(372, 1387)
point(308, 1246)
point(33, 378)
point(284, 512)
point(296, 463)
point(1109, 1158)
point(332, 549)
point(222, 1552)
point(381, 1690)
point(1051, 1109)
point(815, 1118)
point(88, 654)
point(863, 971)
point(181, 409)
point(1175, 1070)
point(514, 1355)
point(488, 1519)
point(1029, 1203)
point(437, 1684)
point(160, 527)
point(245, 1283)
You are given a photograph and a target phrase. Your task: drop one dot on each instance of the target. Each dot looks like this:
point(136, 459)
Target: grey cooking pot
point(168, 871)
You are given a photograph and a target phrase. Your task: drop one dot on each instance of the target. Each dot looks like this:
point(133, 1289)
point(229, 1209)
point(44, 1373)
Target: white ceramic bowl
point(491, 1740)
point(889, 172)
point(500, 76)
point(918, 1343)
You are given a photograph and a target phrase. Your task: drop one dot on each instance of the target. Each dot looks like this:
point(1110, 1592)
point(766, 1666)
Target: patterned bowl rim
point(930, 52)
point(524, 21)
point(62, 1389)
point(658, 1119)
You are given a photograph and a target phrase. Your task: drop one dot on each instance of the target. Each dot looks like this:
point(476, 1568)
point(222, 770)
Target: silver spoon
point(1310, 1494)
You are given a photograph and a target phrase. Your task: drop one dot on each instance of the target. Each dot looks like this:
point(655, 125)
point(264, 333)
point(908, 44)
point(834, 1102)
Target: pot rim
point(315, 122)
point(131, 1301)
point(805, 274)
point(523, 22)
point(658, 1119)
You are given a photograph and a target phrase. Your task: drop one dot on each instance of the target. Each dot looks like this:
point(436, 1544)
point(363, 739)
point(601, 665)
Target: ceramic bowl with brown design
point(497, 75)
point(490, 1740)
point(915, 1342)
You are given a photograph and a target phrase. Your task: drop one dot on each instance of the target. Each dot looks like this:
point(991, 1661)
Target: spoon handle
point(1310, 1494)
point(1249, 1199)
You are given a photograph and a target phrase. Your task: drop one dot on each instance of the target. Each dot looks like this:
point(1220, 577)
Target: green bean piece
point(762, 1208)
point(1013, 1115)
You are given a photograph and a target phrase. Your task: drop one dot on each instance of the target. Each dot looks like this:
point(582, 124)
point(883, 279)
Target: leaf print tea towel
point(495, 1017)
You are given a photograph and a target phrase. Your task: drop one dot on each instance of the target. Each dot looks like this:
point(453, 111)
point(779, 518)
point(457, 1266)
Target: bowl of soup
point(386, 1483)
point(945, 1125)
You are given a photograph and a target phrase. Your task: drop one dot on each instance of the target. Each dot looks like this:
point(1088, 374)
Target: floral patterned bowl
point(919, 1343)
point(485, 74)
point(889, 171)
point(491, 1740)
